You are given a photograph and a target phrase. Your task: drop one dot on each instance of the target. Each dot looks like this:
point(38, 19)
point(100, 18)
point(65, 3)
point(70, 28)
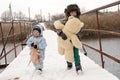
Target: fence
point(13, 31)
point(99, 31)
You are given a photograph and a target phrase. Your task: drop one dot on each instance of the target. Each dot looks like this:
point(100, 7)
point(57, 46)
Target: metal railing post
point(21, 34)
point(99, 37)
point(13, 34)
point(3, 44)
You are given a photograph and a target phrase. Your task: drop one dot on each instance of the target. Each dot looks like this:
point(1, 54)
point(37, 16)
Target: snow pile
point(54, 66)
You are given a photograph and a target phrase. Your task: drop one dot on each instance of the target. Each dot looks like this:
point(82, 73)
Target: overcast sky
point(49, 6)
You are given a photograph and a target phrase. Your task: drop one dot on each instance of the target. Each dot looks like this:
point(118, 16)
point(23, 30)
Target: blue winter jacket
point(41, 42)
point(40, 47)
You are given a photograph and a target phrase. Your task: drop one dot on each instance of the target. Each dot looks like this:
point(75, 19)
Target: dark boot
point(69, 65)
point(78, 67)
point(40, 69)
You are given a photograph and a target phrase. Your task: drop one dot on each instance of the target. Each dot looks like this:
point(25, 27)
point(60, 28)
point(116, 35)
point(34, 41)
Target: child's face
point(73, 13)
point(36, 33)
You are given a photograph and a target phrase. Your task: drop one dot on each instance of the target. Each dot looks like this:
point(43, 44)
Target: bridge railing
point(99, 31)
point(10, 32)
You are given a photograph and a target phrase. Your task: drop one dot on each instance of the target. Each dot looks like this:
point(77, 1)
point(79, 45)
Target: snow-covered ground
point(54, 66)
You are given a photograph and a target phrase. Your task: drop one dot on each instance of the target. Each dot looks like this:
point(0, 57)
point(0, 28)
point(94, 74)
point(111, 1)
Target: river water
point(11, 55)
point(109, 45)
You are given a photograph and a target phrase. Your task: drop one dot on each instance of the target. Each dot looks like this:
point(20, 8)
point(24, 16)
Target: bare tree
point(21, 16)
point(5, 16)
point(38, 17)
point(16, 16)
point(57, 16)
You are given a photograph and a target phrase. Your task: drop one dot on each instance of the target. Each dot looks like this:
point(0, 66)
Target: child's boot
point(69, 65)
point(78, 67)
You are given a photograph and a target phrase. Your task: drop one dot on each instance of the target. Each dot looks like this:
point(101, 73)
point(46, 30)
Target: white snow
point(54, 66)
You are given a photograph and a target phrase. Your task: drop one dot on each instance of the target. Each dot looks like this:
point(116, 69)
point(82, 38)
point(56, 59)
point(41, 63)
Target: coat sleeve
point(29, 42)
point(42, 44)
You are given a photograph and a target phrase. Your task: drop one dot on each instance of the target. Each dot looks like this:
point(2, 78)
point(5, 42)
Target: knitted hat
point(37, 28)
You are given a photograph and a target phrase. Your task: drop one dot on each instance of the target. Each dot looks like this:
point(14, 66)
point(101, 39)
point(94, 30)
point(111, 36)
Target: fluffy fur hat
point(70, 8)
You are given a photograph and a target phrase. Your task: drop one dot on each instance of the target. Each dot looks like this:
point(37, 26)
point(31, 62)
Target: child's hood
point(39, 26)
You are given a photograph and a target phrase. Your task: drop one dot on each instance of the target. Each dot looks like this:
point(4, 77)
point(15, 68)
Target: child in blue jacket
point(37, 43)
